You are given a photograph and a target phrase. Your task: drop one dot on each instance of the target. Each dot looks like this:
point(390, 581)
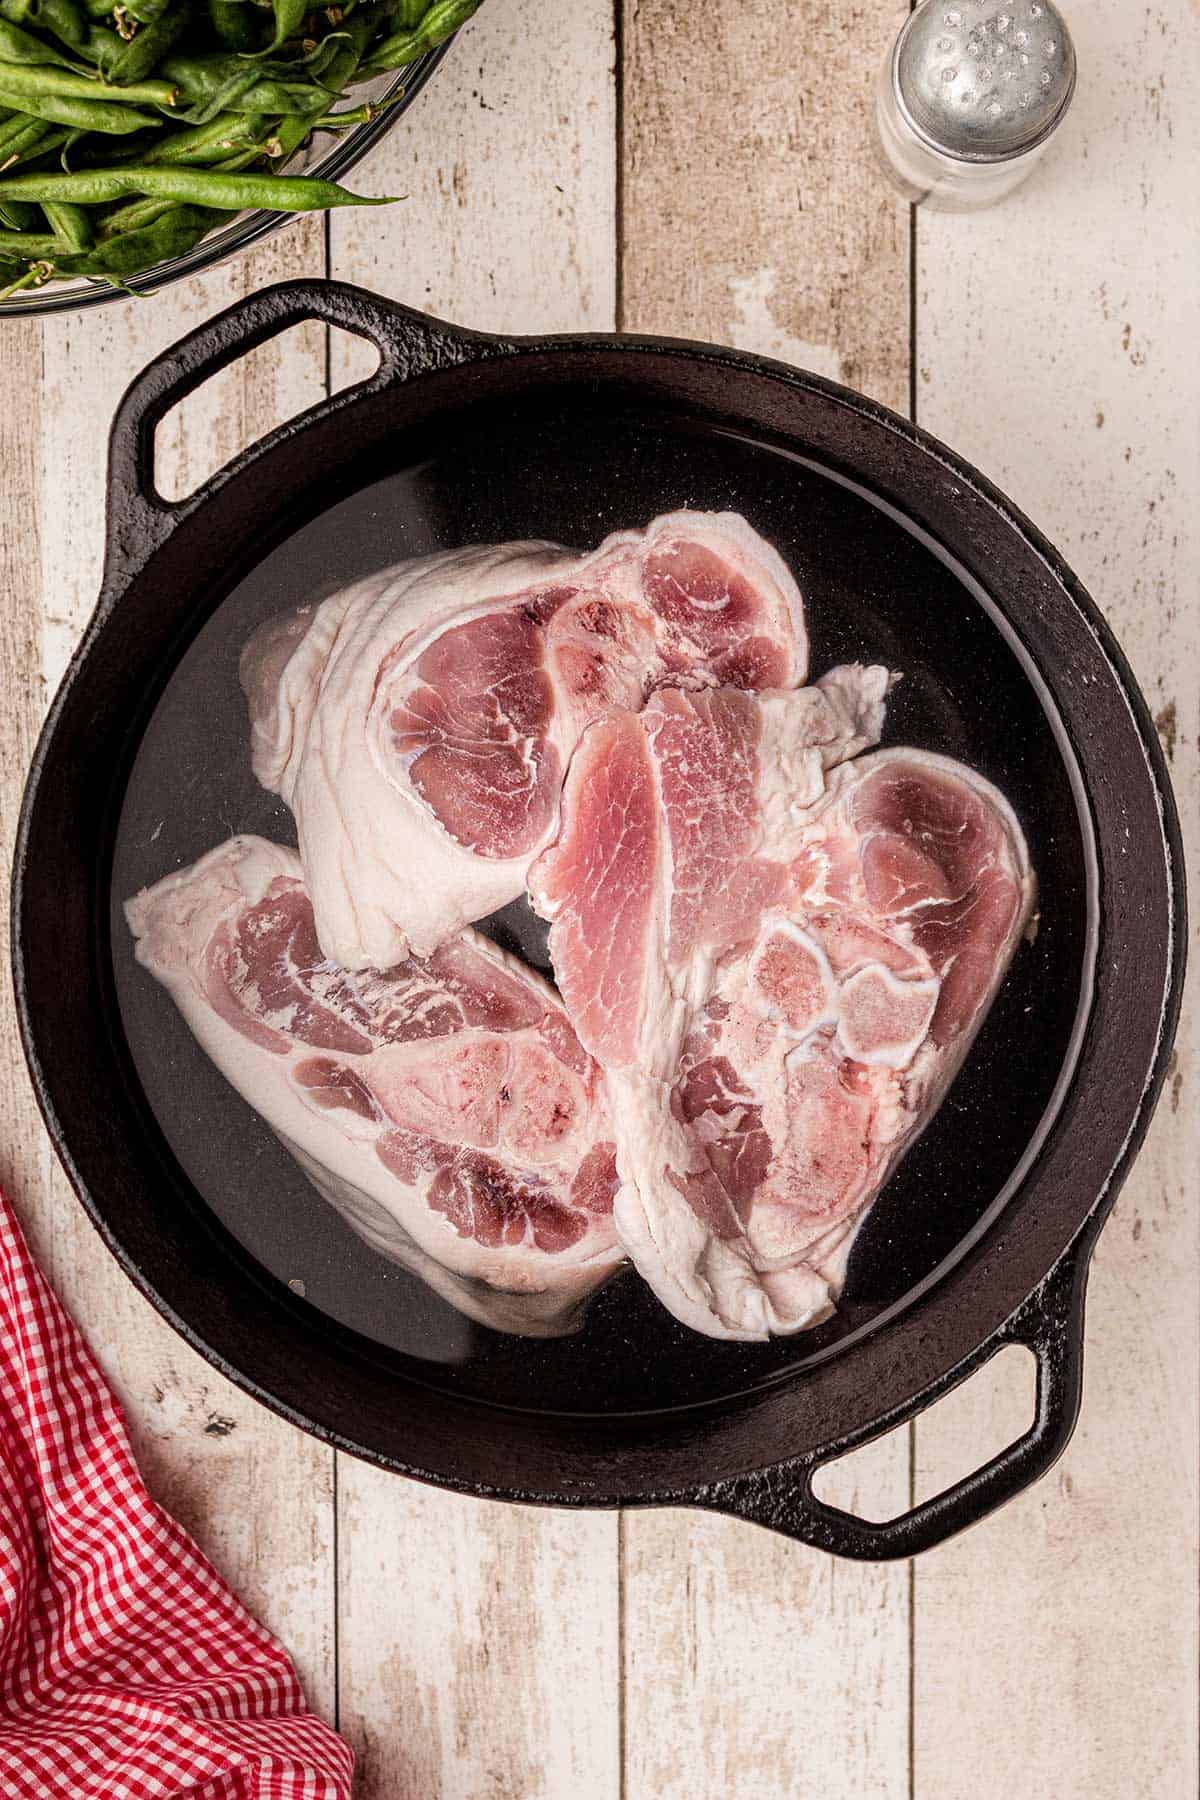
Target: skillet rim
point(596, 1476)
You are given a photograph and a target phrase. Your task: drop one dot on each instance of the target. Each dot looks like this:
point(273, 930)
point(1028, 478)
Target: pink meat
point(599, 884)
point(706, 751)
point(716, 606)
point(474, 731)
point(419, 724)
point(445, 1107)
point(780, 985)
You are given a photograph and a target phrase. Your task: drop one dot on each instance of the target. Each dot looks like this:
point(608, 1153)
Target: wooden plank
point(209, 1453)
point(22, 1141)
point(1054, 340)
point(753, 216)
point(87, 361)
point(756, 1666)
point(508, 164)
point(478, 1643)
point(753, 213)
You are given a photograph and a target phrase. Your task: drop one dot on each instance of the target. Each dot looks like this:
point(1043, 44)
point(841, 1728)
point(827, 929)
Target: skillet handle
point(409, 344)
point(1050, 1323)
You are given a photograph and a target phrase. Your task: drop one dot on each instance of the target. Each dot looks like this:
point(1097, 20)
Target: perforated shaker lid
point(984, 82)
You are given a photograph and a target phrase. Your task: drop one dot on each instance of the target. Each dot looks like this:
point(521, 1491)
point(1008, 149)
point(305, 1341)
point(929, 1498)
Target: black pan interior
point(573, 469)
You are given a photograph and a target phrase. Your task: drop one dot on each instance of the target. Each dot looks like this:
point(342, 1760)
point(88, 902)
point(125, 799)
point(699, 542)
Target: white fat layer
point(554, 1312)
point(804, 735)
point(384, 873)
point(736, 1286)
point(173, 923)
point(717, 1284)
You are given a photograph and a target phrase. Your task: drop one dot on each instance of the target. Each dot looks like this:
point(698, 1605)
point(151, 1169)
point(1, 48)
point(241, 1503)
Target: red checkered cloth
point(128, 1670)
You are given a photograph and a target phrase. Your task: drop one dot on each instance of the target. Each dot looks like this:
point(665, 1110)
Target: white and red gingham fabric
point(128, 1670)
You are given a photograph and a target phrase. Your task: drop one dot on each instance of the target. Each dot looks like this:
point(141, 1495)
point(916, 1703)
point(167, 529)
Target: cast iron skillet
point(905, 555)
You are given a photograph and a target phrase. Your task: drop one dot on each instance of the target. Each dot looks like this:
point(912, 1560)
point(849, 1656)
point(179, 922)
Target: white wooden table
point(701, 168)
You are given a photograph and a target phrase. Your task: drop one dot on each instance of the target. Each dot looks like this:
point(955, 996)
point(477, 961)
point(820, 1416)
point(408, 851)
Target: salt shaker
point(969, 97)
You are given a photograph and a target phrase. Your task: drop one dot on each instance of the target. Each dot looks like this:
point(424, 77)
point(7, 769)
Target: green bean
point(17, 46)
point(84, 115)
point(281, 97)
point(85, 187)
point(209, 143)
point(343, 66)
point(288, 137)
point(172, 234)
point(201, 94)
point(35, 141)
point(70, 223)
point(143, 52)
point(67, 84)
point(130, 215)
point(63, 19)
point(18, 215)
point(28, 244)
point(395, 52)
point(33, 277)
point(101, 45)
point(244, 159)
point(38, 138)
point(197, 77)
point(443, 18)
point(289, 17)
point(12, 127)
point(350, 115)
point(209, 84)
point(200, 187)
point(235, 24)
point(20, 133)
point(146, 11)
point(320, 58)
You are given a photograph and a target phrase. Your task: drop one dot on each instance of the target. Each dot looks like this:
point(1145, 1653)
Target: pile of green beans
point(129, 129)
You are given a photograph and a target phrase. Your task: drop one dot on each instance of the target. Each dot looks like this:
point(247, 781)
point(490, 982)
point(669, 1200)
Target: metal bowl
point(328, 155)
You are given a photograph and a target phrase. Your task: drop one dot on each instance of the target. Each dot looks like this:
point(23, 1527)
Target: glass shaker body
point(968, 98)
point(926, 175)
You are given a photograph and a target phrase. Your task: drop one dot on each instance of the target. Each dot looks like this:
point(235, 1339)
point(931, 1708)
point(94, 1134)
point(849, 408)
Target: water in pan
point(873, 591)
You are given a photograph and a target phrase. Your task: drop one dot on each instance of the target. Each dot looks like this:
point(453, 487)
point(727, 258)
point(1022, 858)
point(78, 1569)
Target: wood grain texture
point(1053, 337)
point(491, 1653)
point(754, 215)
point(478, 1642)
point(753, 212)
point(478, 1645)
point(256, 1494)
point(756, 1666)
point(23, 1154)
point(508, 164)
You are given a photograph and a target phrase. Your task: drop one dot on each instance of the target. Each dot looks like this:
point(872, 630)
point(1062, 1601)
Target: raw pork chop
point(445, 1108)
point(780, 972)
point(418, 724)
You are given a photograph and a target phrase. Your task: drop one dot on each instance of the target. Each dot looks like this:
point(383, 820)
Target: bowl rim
point(228, 241)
